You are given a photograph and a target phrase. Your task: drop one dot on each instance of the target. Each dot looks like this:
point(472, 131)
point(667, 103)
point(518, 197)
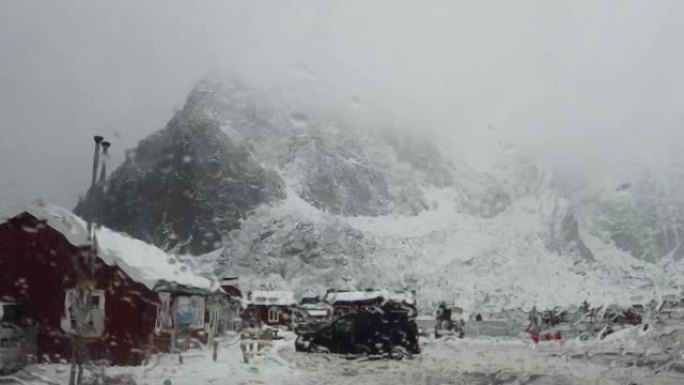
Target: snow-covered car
point(364, 333)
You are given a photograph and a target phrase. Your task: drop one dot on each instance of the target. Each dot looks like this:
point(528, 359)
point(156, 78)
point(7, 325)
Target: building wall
point(38, 265)
point(259, 314)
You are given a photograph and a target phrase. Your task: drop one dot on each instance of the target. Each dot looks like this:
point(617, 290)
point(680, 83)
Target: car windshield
point(342, 191)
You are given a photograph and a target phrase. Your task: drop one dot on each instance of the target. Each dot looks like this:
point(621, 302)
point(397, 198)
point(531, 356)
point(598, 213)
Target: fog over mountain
point(593, 87)
point(296, 200)
point(338, 140)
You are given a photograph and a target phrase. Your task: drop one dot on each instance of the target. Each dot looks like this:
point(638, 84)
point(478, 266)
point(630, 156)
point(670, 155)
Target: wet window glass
point(341, 191)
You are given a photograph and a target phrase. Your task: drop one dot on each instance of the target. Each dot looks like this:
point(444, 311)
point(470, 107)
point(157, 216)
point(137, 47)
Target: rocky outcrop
point(183, 187)
point(483, 196)
point(564, 236)
point(295, 243)
point(342, 174)
point(422, 156)
point(645, 219)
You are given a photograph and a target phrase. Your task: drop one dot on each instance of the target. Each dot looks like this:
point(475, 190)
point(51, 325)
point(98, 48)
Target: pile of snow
point(142, 262)
point(198, 367)
point(480, 361)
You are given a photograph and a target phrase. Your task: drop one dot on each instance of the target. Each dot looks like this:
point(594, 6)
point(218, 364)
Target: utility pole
point(86, 279)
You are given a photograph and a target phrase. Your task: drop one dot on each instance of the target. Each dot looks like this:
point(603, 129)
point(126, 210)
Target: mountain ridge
point(293, 200)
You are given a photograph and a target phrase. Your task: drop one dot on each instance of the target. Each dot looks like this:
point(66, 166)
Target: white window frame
point(214, 319)
point(164, 318)
point(271, 318)
point(198, 311)
point(94, 317)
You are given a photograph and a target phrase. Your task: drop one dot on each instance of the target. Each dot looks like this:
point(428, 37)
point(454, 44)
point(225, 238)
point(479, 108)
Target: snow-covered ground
point(622, 358)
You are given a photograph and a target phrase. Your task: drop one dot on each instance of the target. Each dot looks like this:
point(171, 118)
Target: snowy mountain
point(290, 199)
point(644, 217)
point(183, 187)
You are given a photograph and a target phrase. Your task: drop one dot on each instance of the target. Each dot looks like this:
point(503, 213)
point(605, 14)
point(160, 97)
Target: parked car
point(386, 333)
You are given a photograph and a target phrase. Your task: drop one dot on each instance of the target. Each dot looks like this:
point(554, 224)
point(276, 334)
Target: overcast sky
point(593, 85)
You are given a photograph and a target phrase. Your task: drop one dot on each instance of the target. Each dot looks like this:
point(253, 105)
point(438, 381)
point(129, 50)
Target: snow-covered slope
point(484, 263)
point(349, 207)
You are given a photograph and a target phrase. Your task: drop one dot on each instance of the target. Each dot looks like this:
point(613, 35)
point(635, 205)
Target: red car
point(536, 337)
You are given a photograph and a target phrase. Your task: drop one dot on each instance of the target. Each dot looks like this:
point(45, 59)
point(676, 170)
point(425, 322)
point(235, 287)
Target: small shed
point(116, 302)
point(270, 307)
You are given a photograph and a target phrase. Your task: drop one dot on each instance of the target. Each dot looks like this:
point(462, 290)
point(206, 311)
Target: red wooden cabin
point(138, 298)
point(272, 308)
point(344, 302)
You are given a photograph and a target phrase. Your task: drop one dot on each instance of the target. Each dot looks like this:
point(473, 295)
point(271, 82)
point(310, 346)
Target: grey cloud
point(592, 86)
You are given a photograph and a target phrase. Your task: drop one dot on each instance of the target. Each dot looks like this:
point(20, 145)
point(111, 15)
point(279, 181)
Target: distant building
point(272, 308)
point(138, 299)
point(314, 309)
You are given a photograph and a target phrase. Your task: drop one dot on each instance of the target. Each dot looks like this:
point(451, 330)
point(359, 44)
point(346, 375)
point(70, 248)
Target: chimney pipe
point(96, 158)
point(105, 158)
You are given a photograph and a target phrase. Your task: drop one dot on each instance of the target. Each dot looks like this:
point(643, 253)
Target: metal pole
point(78, 346)
point(105, 159)
point(96, 158)
point(215, 354)
point(72, 372)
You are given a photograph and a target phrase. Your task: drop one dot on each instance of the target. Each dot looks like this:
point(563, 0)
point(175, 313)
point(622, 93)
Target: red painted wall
point(37, 266)
point(260, 315)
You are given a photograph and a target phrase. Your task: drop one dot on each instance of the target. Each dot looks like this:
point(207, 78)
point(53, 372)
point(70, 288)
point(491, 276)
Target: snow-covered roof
point(142, 262)
point(232, 281)
point(317, 312)
point(272, 297)
point(319, 305)
point(356, 296)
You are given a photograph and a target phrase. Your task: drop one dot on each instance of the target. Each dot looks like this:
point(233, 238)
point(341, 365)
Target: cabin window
point(214, 321)
point(190, 312)
point(84, 308)
point(164, 319)
point(198, 316)
point(273, 314)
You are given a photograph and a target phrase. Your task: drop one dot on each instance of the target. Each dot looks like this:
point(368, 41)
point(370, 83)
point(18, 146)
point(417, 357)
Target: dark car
point(390, 334)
